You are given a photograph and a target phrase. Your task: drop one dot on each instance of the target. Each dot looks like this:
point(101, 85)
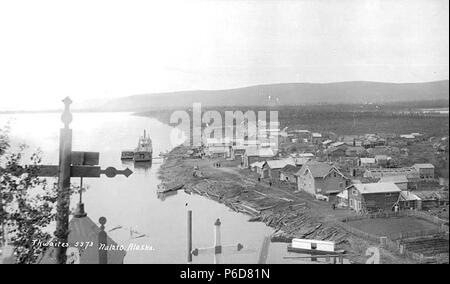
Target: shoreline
point(291, 215)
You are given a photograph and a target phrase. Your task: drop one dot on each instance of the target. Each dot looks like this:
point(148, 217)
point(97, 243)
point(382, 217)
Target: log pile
point(289, 218)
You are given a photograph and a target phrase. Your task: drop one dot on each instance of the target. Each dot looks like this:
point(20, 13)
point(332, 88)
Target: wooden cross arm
point(79, 171)
point(198, 251)
point(226, 249)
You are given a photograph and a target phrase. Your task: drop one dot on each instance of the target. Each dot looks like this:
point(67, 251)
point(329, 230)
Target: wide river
point(132, 202)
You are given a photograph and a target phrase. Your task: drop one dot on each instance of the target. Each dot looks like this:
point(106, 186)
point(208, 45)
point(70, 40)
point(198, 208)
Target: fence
point(417, 234)
point(393, 242)
point(428, 217)
point(359, 233)
point(405, 213)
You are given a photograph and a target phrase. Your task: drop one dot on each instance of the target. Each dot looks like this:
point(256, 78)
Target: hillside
point(284, 94)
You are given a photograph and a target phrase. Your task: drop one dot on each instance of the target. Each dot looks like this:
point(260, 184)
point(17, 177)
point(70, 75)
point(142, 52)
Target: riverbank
point(291, 214)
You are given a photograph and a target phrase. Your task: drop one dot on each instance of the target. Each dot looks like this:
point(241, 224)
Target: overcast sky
point(96, 49)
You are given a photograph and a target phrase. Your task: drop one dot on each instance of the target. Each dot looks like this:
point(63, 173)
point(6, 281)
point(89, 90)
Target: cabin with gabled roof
point(272, 168)
point(373, 197)
point(321, 178)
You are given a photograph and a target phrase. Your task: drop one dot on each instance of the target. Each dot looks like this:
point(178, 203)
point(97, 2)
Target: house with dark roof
point(287, 173)
point(336, 152)
point(355, 151)
point(430, 199)
point(272, 168)
point(321, 178)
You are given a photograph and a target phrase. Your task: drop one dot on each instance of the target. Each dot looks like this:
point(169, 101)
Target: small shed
point(272, 168)
point(409, 200)
point(287, 173)
point(426, 171)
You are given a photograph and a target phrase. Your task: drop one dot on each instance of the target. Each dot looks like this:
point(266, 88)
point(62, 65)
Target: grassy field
point(392, 226)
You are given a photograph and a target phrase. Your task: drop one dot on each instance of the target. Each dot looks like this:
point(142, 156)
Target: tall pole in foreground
point(63, 198)
point(217, 242)
point(189, 237)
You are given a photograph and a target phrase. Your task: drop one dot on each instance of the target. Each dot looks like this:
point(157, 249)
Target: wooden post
point(189, 236)
point(102, 242)
point(217, 242)
point(218, 249)
point(63, 198)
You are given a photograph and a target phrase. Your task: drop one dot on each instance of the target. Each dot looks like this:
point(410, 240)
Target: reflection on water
point(163, 195)
point(132, 202)
point(142, 167)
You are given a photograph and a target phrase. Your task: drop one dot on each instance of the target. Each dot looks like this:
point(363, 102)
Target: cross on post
point(71, 164)
point(218, 249)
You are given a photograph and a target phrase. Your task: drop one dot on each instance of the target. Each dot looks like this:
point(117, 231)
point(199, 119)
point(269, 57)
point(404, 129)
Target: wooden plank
point(75, 171)
point(85, 171)
point(80, 158)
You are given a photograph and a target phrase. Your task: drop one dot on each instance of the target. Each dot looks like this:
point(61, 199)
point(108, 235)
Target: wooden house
point(408, 200)
point(426, 171)
point(257, 167)
point(355, 151)
point(321, 178)
point(430, 199)
point(272, 168)
point(336, 152)
point(373, 197)
point(287, 173)
point(410, 173)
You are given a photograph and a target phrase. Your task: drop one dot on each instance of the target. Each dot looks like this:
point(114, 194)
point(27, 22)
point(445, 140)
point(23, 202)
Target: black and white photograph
point(226, 138)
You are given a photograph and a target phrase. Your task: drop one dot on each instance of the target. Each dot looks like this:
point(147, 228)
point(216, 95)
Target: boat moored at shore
point(142, 153)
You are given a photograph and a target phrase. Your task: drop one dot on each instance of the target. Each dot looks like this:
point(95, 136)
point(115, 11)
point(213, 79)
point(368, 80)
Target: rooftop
point(259, 152)
point(290, 169)
point(432, 195)
point(318, 169)
point(394, 179)
point(381, 187)
point(279, 164)
point(408, 196)
point(258, 164)
point(423, 166)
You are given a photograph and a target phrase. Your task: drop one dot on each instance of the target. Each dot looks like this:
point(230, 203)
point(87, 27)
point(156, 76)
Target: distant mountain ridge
point(282, 94)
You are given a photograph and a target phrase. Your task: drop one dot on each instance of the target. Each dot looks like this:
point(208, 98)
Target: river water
point(132, 202)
